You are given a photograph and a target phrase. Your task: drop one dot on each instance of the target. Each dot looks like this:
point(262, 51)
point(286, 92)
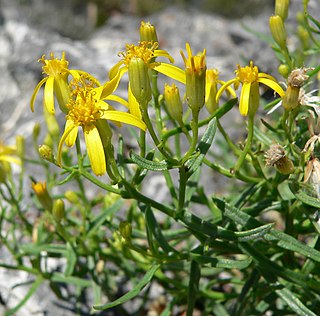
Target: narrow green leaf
point(283, 240)
point(34, 249)
point(254, 233)
point(60, 277)
point(156, 231)
point(294, 303)
point(149, 164)
point(133, 293)
point(193, 286)
point(203, 147)
point(300, 189)
point(71, 260)
point(221, 263)
point(31, 291)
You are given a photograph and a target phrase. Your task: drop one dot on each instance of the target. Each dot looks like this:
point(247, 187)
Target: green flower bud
point(58, 210)
point(284, 70)
point(281, 8)
point(148, 32)
point(278, 31)
point(125, 229)
point(71, 196)
point(20, 144)
point(46, 152)
point(40, 189)
point(173, 102)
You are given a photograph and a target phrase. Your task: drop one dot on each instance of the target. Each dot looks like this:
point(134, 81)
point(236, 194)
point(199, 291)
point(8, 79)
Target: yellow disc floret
point(143, 51)
point(54, 67)
point(247, 74)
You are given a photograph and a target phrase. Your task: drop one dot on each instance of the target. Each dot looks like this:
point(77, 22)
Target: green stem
point(248, 144)
point(195, 134)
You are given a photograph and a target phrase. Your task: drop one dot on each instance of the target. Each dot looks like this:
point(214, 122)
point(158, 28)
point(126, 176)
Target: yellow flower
point(195, 70)
point(40, 189)
point(250, 77)
point(56, 82)
point(8, 155)
point(88, 110)
point(147, 51)
point(212, 82)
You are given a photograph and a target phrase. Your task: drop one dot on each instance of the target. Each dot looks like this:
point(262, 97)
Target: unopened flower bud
point(276, 157)
point(58, 210)
point(303, 36)
point(100, 266)
point(36, 131)
point(278, 31)
point(20, 144)
point(46, 152)
point(148, 32)
point(284, 70)
point(173, 102)
point(71, 196)
point(139, 80)
point(195, 67)
point(125, 229)
point(40, 189)
point(281, 8)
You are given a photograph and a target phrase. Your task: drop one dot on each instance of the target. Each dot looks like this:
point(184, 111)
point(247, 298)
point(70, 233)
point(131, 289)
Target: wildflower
point(276, 157)
point(146, 52)
point(88, 110)
point(58, 210)
point(212, 82)
point(281, 8)
point(308, 99)
point(173, 102)
point(56, 82)
point(195, 67)
point(296, 80)
point(40, 189)
point(8, 154)
point(250, 77)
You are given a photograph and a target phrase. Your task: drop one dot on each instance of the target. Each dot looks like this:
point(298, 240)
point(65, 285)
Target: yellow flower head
point(195, 69)
point(194, 64)
point(87, 109)
point(147, 51)
point(212, 81)
point(40, 189)
point(250, 77)
point(56, 82)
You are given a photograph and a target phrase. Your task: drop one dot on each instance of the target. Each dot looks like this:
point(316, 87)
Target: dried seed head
point(276, 157)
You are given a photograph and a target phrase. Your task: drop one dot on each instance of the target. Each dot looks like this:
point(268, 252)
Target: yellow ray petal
point(95, 149)
point(115, 69)
point(111, 85)
point(35, 92)
point(118, 99)
point(72, 135)
point(48, 95)
point(124, 118)
point(10, 159)
point(65, 134)
point(244, 98)
point(224, 87)
point(273, 85)
point(163, 53)
point(134, 107)
point(171, 71)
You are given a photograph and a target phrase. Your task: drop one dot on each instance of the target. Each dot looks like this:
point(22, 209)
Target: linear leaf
point(133, 293)
point(203, 147)
point(31, 291)
point(294, 303)
point(301, 195)
point(149, 164)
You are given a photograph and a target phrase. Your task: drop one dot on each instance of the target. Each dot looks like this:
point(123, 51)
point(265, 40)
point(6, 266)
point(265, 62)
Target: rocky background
point(31, 28)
